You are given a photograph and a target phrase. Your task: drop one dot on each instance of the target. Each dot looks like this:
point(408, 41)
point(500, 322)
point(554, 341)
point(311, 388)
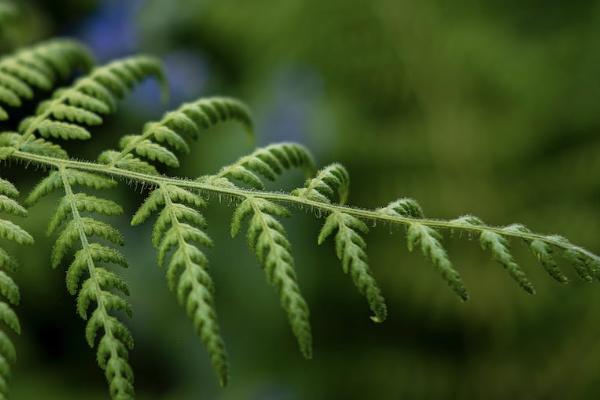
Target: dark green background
point(482, 107)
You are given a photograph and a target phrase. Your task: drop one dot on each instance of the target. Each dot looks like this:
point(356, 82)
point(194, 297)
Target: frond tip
point(331, 185)
point(160, 140)
point(267, 162)
point(67, 114)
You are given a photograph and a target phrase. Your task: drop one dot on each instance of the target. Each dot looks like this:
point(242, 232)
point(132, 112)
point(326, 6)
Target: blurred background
point(482, 107)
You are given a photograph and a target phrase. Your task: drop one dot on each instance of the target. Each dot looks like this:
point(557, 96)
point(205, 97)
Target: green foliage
point(38, 67)
point(8, 288)
point(267, 162)
point(179, 230)
point(267, 239)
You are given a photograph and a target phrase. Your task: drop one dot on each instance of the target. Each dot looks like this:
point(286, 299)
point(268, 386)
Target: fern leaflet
point(38, 67)
point(8, 288)
point(99, 283)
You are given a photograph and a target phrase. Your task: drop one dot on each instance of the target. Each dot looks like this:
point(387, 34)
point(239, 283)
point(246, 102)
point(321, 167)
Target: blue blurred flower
point(111, 30)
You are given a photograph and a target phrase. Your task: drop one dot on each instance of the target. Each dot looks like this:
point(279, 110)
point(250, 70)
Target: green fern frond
point(267, 239)
point(428, 239)
point(179, 231)
point(99, 286)
point(159, 140)
point(8, 288)
point(65, 115)
point(38, 67)
point(267, 162)
point(331, 184)
point(351, 250)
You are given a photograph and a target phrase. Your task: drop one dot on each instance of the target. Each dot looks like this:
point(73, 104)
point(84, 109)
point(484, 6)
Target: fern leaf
point(8, 189)
point(7, 262)
point(8, 288)
point(192, 118)
point(157, 137)
point(428, 239)
point(8, 316)
point(150, 150)
point(37, 67)
point(178, 231)
point(99, 284)
point(10, 206)
point(330, 185)
point(351, 250)
point(62, 130)
point(267, 162)
point(267, 239)
point(88, 97)
point(11, 231)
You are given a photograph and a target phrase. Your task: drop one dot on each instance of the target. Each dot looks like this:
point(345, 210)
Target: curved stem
point(281, 197)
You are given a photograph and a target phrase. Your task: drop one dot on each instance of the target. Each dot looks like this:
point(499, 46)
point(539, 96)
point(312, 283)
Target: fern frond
point(8, 288)
point(267, 162)
point(99, 286)
point(69, 110)
point(428, 239)
point(160, 139)
point(179, 231)
point(267, 239)
point(351, 250)
point(38, 67)
point(331, 184)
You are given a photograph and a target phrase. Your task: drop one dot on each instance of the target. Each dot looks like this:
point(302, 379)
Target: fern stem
point(281, 197)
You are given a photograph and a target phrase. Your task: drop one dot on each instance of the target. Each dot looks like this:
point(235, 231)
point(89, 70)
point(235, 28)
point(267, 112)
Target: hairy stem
point(324, 208)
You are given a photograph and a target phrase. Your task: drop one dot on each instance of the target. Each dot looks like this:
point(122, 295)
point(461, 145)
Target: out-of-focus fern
point(38, 67)
point(179, 232)
point(8, 288)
